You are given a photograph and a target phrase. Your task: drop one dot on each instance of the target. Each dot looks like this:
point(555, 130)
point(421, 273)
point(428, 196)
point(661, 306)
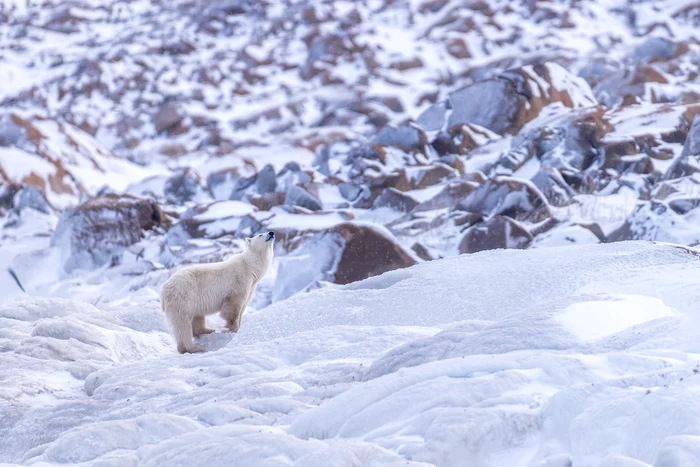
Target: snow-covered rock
point(96, 231)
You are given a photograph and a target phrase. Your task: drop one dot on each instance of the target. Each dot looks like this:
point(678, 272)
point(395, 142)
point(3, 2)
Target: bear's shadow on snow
point(215, 341)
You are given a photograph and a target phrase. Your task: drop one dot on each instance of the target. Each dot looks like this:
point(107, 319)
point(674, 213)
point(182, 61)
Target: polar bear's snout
point(270, 236)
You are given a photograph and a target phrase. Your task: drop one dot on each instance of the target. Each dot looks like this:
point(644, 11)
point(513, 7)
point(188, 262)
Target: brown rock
point(267, 201)
point(431, 175)
point(378, 182)
point(168, 118)
point(367, 252)
point(422, 251)
point(60, 150)
point(495, 233)
point(173, 150)
point(458, 48)
point(467, 137)
point(394, 199)
point(404, 65)
point(393, 103)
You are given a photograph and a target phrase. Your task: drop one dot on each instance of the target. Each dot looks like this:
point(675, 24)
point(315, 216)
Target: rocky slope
point(136, 136)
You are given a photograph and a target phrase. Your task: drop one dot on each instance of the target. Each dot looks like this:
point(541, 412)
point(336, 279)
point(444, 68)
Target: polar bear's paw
point(199, 332)
point(194, 348)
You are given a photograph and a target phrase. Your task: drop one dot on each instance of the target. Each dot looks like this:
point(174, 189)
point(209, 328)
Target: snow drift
point(585, 355)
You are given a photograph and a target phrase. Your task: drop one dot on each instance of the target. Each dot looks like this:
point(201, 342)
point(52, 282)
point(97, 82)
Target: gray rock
point(297, 196)
point(241, 187)
point(405, 137)
point(655, 48)
point(493, 104)
point(689, 160)
point(31, 197)
point(509, 197)
point(98, 230)
point(10, 133)
point(349, 191)
point(183, 186)
point(266, 182)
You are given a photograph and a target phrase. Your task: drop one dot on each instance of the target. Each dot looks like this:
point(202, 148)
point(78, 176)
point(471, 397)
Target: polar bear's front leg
point(199, 326)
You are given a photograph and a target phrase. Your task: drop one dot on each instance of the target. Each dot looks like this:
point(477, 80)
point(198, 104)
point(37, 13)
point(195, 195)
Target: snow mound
point(590, 321)
point(583, 355)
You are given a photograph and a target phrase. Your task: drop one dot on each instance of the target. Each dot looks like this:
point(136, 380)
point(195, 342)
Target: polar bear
point(196, 291)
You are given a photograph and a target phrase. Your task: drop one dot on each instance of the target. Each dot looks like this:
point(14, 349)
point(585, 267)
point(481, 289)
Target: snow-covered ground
point(138, 136)
point(544, 357)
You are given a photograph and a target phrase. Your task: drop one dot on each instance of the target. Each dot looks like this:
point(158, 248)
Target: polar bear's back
point(202, 288)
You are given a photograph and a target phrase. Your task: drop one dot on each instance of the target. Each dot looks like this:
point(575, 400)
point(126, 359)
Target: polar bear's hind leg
point(182, 331)
point(199, 326)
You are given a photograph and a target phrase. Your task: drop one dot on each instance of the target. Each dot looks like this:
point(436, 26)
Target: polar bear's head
point(259, 252)
point(262, 242)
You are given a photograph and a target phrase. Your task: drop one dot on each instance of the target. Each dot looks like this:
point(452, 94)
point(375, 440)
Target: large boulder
point(505, 103)
point(297, 196)
point(345, 253)
point(368, 251)
point(98, 230)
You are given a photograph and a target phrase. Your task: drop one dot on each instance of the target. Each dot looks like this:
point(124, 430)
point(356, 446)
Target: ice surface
point(546, 357)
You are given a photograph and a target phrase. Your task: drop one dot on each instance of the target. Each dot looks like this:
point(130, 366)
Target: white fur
point(196, 291)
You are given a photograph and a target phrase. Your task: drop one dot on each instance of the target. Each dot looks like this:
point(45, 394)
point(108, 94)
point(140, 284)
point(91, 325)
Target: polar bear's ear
point(248, 240)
